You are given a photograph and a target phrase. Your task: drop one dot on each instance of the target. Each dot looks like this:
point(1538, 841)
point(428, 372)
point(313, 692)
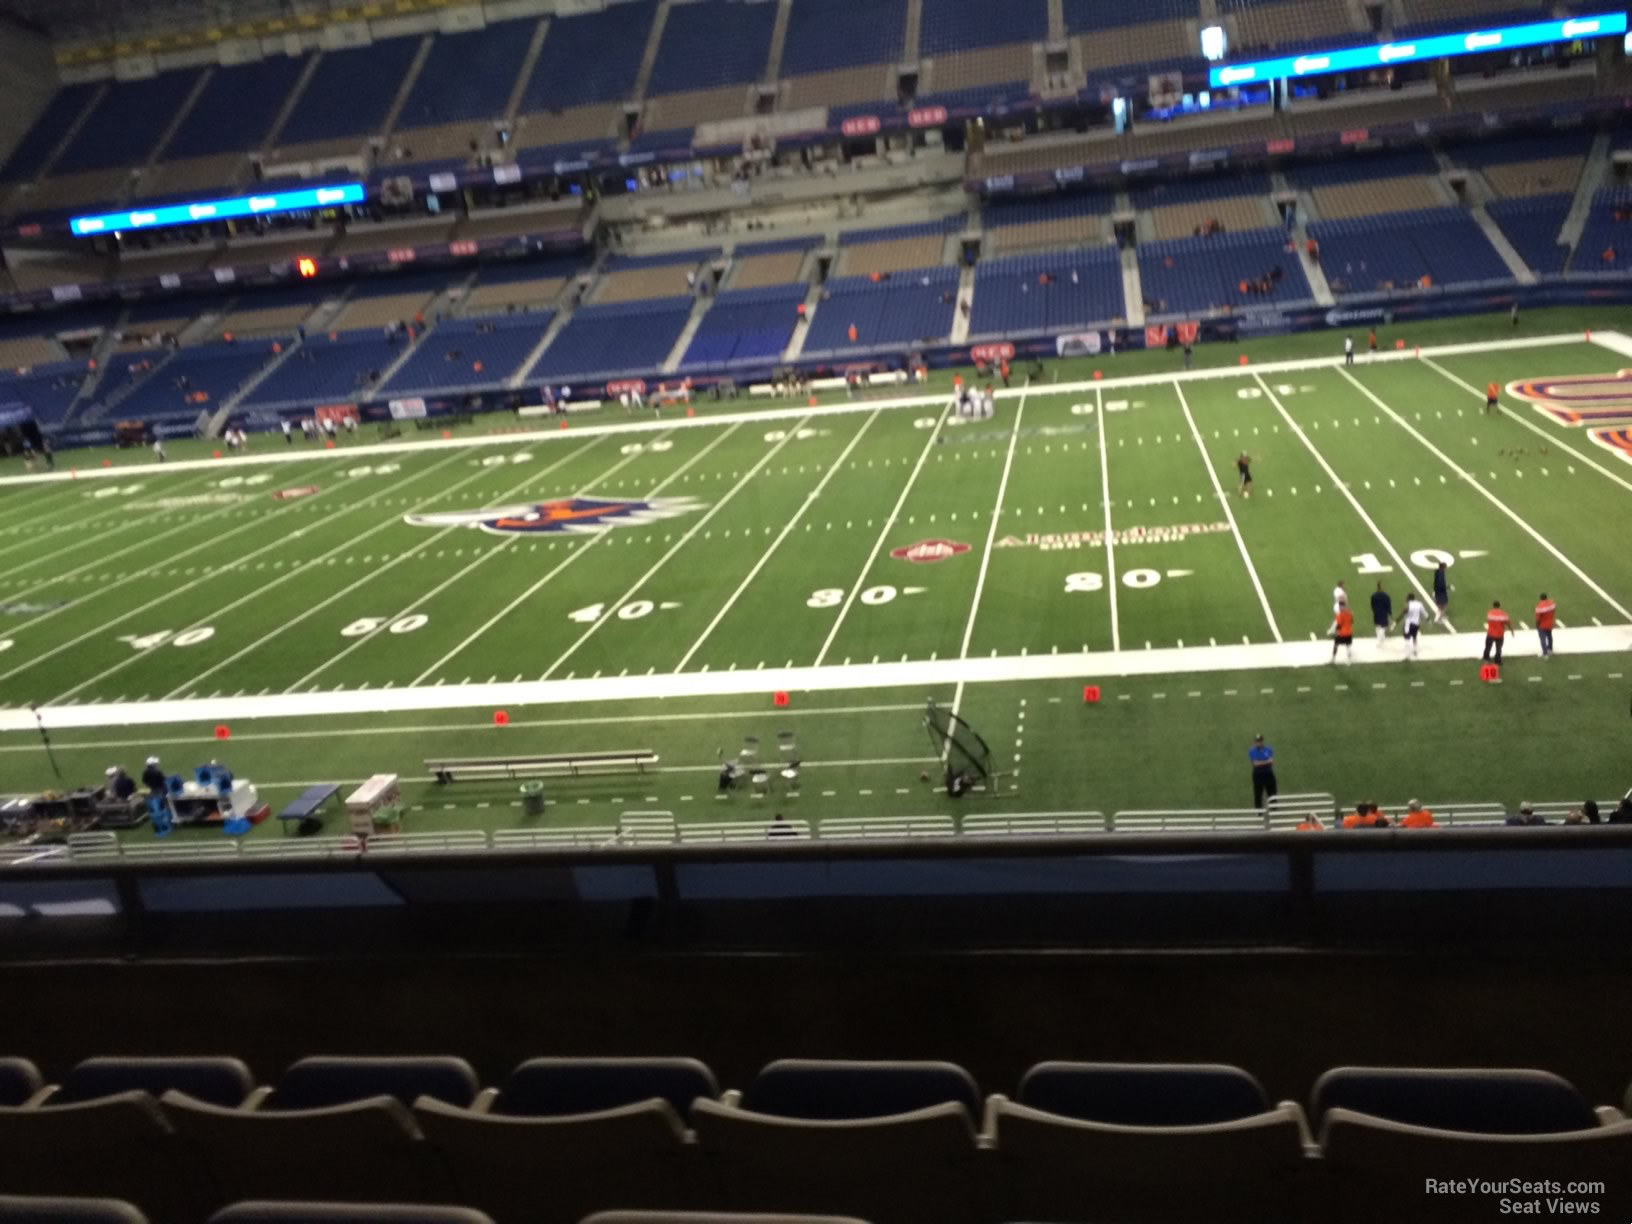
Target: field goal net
point(963, 754)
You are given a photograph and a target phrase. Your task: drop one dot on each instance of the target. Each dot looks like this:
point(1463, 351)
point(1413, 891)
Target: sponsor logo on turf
point(1060, 540)
point(575, 514)
point(926, 551)
point(30, 609)
point(187, 503)
point(291, 494)
point(1581, 399)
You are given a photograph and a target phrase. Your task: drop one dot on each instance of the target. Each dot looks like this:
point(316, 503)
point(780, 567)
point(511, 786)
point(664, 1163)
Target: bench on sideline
point(551, 765)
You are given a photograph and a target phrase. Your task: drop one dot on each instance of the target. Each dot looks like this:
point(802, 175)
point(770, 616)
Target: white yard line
point(1552, 438)
point(485, 726)
point(533, 437)
point(612, 608)
point(372, 575)
point(1224, 504)
point(109, 507)
point(1297, 430)
point(889, 523)
point(1490, 497)
point(986, 553)
point(571, 557)
point(924, 675)
point(170, 593)
point(1110, 535)
point(787, 529)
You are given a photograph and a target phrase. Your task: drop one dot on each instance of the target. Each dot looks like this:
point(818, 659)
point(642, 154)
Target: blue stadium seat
point(1087, 16)
point(712, 43)
point(321, 1082)
point(47, 132)
point(967, 25)
point(1143, 1094)
point(633, 337)
point(448, 357)
point(830, 1091)
point(1604, 235)
point(19, 1080)
point(197, 380)
point(1532, 224)
point(743, 327)
point(237, 109)
point(467, 76)
point(903, 309)
point(1364, 254)
point(350, 93)
point(49, 390)
point(325, 369)
point(1194, 275)
point(1360, 168)
point(552, 1087)
point(1012, 296)
point(127, 123)
point(16, 1209)
point(828, 34)
point(220, 1081)
point(1493, 1102)
point(592, 57)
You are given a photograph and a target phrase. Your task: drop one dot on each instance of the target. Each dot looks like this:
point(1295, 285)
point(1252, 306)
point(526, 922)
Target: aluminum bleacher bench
point(554, 765)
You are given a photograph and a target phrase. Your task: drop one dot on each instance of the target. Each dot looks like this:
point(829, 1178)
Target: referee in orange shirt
point(1546, 610)
point(1496, 627)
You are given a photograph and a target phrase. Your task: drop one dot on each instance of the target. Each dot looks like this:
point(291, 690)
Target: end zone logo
point(1584, 399)
point(291, 494)
point(926, 551)
point(578, 514)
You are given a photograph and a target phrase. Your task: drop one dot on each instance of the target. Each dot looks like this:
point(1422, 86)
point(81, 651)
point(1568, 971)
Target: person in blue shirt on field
point(1442, 593)
point(1262, 757)
point(1382, 611)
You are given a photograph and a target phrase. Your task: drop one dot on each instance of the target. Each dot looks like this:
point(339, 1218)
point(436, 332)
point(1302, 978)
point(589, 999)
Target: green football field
point(645, 583)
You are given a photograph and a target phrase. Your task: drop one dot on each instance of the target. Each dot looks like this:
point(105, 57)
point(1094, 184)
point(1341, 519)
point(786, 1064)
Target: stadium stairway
point(180, 117)
point(913, 39)
point(779, 39)
point(648, 59)
point(528, 63)
point(562, 318)
point(275, 132)
point(407, 87)
point(698, 309)
point(1592, 178)
point(1493, 235)
point(796, 345)
point(1056, 21)
point(230, 404)
point(966, 305)
point(1312, 271)
point(1133, 291)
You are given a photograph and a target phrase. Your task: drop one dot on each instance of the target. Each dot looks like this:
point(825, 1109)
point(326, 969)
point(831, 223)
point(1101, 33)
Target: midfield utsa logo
point(1582, 399)
point(584, 515)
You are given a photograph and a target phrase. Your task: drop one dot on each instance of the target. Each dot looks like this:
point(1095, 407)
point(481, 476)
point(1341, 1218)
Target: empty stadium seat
point(1394, 250)
point(119, 1147)
point(320, 1082)
point(743, 327)
point(1193, 275)
point(220, 1081)
point(41, 1210)
point(1532, 225)
point(461, 354)
point(821, 1090)
point(904, 309)
point(41, 140)
point(1143, 1094)
point(345, 1213)
point(550, 1087)
point(711, 1217)
point(366, 1150)
point(1506, 1102)
point(558, 1167)
point(19, 1080)
point(1099, 1141)
point(711, 43)
point(327, 369)
point(607, 339)
point(588, 58)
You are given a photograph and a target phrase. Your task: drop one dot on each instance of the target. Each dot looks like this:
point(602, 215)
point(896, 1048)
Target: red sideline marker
point(1090, 693)
point(1489, 672)
point(779, 699)
point(223, 732)
point(1243, 359)
point(501, 718)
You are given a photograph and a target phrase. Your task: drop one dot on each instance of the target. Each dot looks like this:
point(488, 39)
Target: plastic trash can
point(532, 798)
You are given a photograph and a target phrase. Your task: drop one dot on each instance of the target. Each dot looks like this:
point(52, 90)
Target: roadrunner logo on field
point(1583, 399)
point(577, 514)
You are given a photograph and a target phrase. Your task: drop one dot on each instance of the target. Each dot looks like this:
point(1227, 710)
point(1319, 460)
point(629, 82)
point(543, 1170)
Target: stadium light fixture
point(1444, 46)
point(1215, 44)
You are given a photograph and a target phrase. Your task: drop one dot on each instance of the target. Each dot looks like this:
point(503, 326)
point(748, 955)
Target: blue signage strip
point(1442, 46)
point(220, 210)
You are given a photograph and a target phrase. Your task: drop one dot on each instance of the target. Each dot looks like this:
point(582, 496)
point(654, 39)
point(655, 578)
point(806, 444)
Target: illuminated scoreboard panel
point(200, 211)
point(1404, 51)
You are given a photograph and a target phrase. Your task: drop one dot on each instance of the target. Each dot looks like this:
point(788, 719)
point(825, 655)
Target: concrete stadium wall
point(30, 72)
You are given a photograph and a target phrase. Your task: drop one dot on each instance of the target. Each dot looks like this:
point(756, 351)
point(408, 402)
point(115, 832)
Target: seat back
point(1152, 1094)
point(1253, 1170)
point(555, 1170)
point(118, 1147)
point(824, 1090)
point(365, 1151)
point(1512, 1101)
point(905, 1169)
point(1377, 1170)
point(712, 1217)
point(551, 1087)
point(44, 1210)
point(19, 1080)
point(346, 1213)
point(321, 1082)
point(220, 1081)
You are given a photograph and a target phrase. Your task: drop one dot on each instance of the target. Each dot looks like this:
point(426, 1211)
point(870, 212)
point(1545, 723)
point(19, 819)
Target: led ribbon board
point(1442, 46)
point(220, 210)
